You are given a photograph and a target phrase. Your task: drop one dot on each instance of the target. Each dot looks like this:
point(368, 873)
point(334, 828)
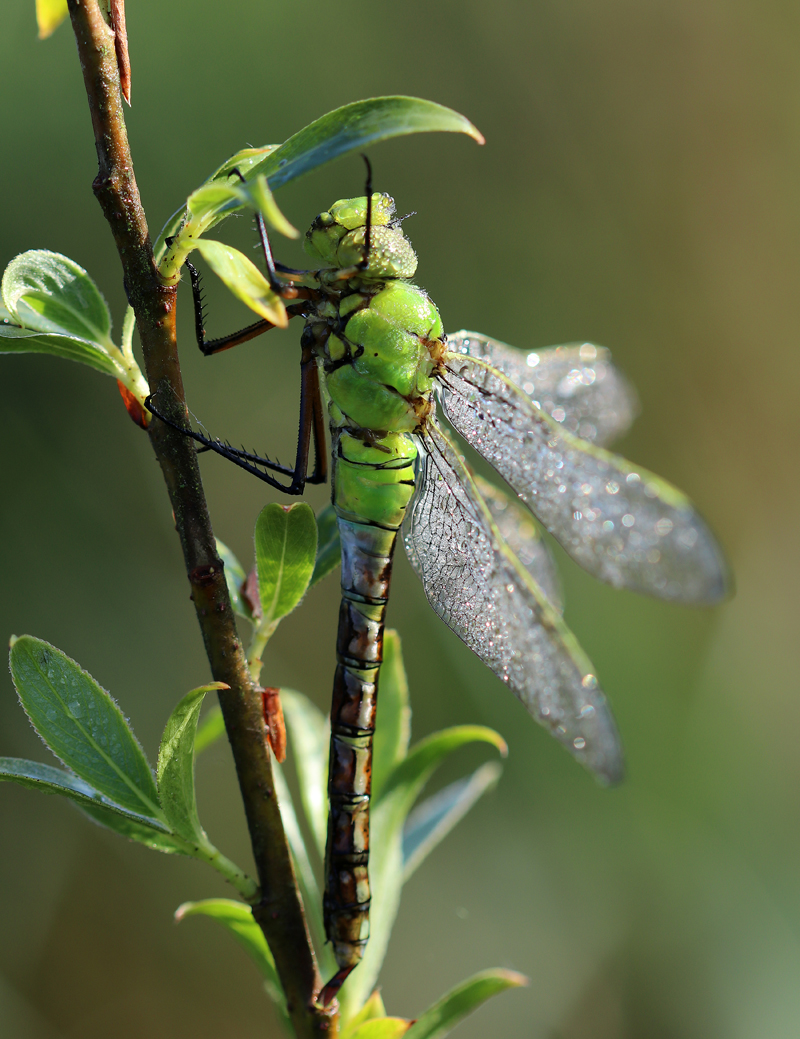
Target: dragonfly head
point(338, 238)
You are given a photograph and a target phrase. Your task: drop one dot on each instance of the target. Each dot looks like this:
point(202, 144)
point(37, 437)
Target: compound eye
point(325, 219)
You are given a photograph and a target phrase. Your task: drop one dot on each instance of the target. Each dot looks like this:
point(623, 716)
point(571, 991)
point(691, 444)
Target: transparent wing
point(481, 590)
point(521, 533)
point(617, 520)
point(577, 385)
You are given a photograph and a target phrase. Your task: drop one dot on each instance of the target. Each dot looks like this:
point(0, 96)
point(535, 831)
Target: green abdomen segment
point(373, 485)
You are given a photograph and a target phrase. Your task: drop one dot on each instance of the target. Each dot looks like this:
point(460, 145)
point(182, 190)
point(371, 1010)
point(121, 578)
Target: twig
point(279, 911)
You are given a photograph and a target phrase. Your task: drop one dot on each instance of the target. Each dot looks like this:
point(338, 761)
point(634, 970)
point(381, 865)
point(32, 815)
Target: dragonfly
point(375, 357)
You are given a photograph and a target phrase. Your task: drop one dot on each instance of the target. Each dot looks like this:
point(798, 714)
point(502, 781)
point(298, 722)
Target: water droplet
point(608, 525)
point(532, 360)
point(612, 487)
point(589, 682)
point(663, 526)
point(632, 478)
point(559, 414)
point(588, 352)
point(579, 743)
point(586, 711)
point(628, 520)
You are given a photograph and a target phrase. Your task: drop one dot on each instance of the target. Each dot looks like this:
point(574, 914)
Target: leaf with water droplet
point(95, 741)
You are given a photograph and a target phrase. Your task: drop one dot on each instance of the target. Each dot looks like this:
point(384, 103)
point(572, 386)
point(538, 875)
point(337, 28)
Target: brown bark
point(279, 911)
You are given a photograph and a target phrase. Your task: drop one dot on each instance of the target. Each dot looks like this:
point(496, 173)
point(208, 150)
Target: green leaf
point(431, 821)
point(411, 775)
point(382, 1028)
point(309, 730)
point(238, 919)
point(372, 1008)
point(309, 888)
point(209, 730)
point(212, 198)
point(48, 292)
point(176, 767)
point(16, 340)
point(353, 128)
point(133, 829)
point(387, 815)
point(258, 196)
point(286, 546)
point(390, 743)
point(82, 725)
point(443, 1016)
point(49, 15)
point(329, 549)
point(243, 161)
point(244, 279)
point(235, 578)
point(50, 780)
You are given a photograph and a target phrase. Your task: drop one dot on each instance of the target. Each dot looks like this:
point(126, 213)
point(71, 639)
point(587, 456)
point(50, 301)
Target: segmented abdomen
point(373, 484)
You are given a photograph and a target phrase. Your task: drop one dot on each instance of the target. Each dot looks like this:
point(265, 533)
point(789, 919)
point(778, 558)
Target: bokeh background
point(639, 188)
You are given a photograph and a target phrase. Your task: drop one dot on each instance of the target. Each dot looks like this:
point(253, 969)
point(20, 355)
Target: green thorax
point(377, 336)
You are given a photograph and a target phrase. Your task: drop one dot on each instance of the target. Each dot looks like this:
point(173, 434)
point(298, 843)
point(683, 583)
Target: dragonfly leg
point(328, 991)
point(311, 423)
point(215, 346)
point(280, 288)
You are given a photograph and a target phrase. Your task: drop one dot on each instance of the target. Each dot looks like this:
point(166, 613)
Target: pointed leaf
point(258, 196)
point(82, 725)
point(17, 340)
point(348, 129)
point(238, 919)
point(49, 15)
point(212, 198)
point(176, 766)
point(443, 1016)
point(286, 546)
point(372, 1008)
point(386, 883)
point(382, 1028)
point(411, 775)
point(390, 743)
point(48, 292)
point(431, 821)
point(353, 128)
point(244, 279)
point(209, 730)
point(309, 731)
point(49, 780)
point(235, 578)
point(387, 815)
point(147, 833)
point(329, 549)
point(309, 888)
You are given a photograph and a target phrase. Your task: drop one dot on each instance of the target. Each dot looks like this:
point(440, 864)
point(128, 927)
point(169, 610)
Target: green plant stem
point(278, 910)
point(255, 651)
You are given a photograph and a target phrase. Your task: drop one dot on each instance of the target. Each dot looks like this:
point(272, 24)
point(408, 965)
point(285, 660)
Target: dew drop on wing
point(516, 633)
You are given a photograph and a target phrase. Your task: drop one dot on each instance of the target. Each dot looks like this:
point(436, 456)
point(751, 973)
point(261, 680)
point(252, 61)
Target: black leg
point(310, 413)
point(215, 346)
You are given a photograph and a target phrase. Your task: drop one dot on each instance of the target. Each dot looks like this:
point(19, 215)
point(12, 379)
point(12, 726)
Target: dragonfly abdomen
point(373, 484)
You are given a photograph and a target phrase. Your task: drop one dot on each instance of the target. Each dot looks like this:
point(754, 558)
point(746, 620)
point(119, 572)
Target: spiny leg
point(310, 423)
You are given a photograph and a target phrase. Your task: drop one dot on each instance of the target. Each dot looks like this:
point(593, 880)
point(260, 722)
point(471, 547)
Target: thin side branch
point(279, 911)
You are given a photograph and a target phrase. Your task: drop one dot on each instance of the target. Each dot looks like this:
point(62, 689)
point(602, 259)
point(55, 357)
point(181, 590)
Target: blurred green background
point(639, 187)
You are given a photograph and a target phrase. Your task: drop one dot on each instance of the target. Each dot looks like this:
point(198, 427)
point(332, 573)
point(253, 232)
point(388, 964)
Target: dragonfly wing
point(481, 590)
point(617, 520)
point(521, 533)
point(577, 385)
